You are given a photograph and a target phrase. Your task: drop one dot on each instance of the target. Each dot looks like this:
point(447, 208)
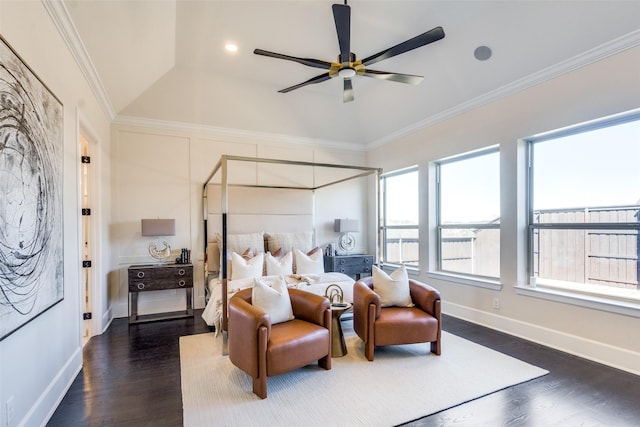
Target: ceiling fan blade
point(342, 18)
point(317, 63)
point(316, 79)
point(414, 43)
point(394, 77)
point(347, 93)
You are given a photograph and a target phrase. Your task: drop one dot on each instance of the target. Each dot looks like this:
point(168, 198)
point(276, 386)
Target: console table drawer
point(351, 265)
point(155, 278)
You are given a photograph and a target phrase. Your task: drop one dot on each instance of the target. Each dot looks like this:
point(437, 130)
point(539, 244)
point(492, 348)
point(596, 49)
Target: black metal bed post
point(224, 187)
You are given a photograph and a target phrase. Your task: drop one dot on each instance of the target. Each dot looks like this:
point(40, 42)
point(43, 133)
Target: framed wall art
point(31, 156)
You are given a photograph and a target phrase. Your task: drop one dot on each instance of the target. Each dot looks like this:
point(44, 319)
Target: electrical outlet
point(9, 409)
point(496, 303)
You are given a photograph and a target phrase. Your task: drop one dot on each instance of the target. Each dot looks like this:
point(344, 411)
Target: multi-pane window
point(399, 217)
point(584, 200)
point(468, 206)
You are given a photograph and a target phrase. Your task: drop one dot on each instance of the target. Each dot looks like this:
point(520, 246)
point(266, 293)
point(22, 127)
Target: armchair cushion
point(394, 288)
point(273, 300)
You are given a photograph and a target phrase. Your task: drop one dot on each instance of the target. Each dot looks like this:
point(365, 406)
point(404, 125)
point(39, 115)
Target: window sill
point(477, 281)
point(581, 298)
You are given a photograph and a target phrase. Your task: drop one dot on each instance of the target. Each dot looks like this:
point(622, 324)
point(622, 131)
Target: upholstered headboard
point(257, 209)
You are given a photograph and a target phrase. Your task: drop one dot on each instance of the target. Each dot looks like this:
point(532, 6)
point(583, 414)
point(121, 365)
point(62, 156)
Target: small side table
point(159, 277)
point(338, 346)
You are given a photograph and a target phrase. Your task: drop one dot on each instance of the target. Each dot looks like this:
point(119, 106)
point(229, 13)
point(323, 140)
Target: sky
point(592, 169)
point(598, 168)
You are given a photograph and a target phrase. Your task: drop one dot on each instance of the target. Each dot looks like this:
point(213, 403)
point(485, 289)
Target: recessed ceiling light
point(482, 53)
point(231, 47)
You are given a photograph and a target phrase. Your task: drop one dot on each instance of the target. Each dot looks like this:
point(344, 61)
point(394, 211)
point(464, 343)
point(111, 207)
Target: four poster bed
point(260, 222)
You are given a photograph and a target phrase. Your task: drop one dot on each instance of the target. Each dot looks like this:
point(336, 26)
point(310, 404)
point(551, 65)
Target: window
point(399, 217)
point(468, 209)
point(584, 218)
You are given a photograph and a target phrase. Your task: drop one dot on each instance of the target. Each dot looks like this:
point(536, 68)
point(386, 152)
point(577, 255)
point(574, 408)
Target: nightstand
point(159, 277)
point(351, 265)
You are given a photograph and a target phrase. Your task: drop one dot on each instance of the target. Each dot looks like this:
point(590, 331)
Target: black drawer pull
point(342, 261)
point(140, 286)
point(366, 260)
point(181, 283)
point(181, 272)
point(140, 274)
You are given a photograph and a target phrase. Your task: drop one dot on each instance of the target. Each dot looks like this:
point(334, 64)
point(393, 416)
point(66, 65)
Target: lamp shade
point(158, 227)
point(346, 225)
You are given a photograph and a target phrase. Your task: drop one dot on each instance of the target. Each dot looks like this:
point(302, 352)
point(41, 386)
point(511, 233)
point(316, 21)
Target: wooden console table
point(159, 277)
point(351, 265)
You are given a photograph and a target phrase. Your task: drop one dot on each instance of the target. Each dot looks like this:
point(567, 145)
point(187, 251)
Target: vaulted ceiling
point(166, 60)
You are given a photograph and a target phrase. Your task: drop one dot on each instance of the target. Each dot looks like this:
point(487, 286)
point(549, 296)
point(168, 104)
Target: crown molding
point(60, 16)
point(591, 56)
point(229, 134)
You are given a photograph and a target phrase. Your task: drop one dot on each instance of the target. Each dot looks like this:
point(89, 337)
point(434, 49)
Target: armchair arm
point(425, 297)
point(366, 308)
point(245, 321)
point(363, 296)
point(308, 306)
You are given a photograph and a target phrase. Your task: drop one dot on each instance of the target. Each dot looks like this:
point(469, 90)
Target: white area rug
point(403, 383)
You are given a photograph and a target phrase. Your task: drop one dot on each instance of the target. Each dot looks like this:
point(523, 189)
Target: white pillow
point(240, 242)
point(246, 269)
point(272, 300)
point(393, 289)
point(309, 264)
point(288, 241)
point(279, 266)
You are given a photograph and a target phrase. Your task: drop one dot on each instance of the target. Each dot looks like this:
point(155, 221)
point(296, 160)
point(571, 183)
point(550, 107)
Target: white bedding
point(314, 283)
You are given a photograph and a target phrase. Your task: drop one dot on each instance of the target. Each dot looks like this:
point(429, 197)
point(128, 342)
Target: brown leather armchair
point(379, 326)
point(263, 350)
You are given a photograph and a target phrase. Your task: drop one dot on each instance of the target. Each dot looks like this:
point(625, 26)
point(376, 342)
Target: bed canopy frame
point(222, 169)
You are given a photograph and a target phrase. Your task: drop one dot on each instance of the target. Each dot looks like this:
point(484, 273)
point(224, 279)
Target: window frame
point(384, 227)
point(591, 295)
point(490, 281)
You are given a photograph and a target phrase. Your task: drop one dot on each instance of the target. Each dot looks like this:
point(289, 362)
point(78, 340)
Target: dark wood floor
point(131, 377)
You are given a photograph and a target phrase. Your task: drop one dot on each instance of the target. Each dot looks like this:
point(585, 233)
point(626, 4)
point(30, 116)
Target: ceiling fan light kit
point(347, 66)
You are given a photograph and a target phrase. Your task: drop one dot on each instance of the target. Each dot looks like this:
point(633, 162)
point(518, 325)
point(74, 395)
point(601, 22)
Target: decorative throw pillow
point(288, 241)
point(393, 289)
point(240, 242)
point(246, 255)
point(243, 269)
point(282, 266)
point(309, 264)
point(272, 300)
point(278, 254)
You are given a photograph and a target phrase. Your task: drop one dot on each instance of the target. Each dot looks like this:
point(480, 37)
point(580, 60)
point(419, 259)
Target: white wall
point(159, 171)
point(603, 88)
point(40, 360)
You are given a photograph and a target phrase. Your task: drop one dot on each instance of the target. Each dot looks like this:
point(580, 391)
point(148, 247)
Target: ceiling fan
point(347, 66)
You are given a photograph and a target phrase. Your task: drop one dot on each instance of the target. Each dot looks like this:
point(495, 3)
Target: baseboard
point(107, 318)
point(44, 407)
point(606, 354)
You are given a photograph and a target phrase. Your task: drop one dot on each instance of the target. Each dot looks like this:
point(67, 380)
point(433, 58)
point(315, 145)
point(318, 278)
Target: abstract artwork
point(31, 148)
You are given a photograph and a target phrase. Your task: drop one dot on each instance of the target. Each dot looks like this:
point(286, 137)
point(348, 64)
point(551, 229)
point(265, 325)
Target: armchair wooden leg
point(260, 387)
point(325, 362)
point(435, 347)
point(369, 347)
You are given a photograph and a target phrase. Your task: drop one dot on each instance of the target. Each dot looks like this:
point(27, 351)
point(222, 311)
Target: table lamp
point(159, 249)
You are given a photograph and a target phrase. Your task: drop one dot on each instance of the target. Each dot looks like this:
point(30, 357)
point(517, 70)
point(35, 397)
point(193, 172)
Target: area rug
point(402, 384)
